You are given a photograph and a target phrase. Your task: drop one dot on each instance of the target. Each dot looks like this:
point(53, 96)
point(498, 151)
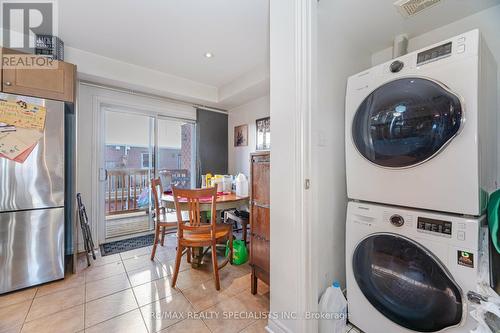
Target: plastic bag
point(143, 199)
point(485, 302)
point(240, 252)
point(487, 312)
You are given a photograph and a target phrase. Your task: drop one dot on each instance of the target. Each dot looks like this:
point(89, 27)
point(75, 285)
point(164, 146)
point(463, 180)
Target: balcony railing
point(125, 186)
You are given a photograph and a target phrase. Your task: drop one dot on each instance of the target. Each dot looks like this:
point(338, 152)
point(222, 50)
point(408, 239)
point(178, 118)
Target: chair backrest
point(192, 199)
point(156, 191)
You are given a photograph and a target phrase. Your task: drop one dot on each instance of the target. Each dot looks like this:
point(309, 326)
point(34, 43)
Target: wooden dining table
point(224, 201)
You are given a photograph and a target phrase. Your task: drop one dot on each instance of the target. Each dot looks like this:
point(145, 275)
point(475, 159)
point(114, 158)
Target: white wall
point(487, 21)
point(337, 59)
point(239, 160)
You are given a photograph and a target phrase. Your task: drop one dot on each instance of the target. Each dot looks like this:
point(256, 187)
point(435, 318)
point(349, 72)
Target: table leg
point(196, 256)
point(253, 286)
point(197, 252)
point(244, 226)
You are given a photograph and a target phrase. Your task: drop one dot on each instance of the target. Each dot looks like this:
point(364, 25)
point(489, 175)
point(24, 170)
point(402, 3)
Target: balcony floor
point(119, 225)
point(126, 224)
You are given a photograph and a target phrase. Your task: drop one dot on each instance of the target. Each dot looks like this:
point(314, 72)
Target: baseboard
point(276, 326)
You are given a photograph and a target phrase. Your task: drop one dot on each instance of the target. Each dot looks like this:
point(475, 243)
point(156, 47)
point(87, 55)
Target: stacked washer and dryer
point(421, 160)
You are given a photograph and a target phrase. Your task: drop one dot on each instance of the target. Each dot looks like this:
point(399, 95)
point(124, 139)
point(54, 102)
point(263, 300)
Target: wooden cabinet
point(259, 217)
point(55, 80)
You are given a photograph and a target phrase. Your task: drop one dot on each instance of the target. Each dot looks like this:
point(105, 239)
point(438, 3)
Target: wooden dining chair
point(162, 220)
point(197, 233)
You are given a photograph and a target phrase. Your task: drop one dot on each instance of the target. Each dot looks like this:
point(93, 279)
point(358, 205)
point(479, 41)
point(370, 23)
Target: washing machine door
point(406, 122)
point(406, 283)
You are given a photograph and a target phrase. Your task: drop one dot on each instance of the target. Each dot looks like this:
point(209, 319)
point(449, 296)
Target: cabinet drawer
point(260, 222)
point(259, 255)
point(260, 179)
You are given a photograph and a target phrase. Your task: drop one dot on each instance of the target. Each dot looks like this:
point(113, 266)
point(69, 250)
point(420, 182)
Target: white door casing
point(293, 264)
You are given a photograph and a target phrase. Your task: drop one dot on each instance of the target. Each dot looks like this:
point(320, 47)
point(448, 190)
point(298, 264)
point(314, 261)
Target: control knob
point(396, 66)
point(397, 220)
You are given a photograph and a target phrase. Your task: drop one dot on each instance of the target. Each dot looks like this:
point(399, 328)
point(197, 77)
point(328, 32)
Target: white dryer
point(410, 271)
point(421, 129)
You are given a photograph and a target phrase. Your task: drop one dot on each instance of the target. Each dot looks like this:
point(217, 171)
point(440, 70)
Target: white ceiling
point(172, 36)
point(372, 24)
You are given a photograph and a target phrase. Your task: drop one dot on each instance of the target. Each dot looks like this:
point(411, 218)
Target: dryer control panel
point(435, 226)
point(433, 54)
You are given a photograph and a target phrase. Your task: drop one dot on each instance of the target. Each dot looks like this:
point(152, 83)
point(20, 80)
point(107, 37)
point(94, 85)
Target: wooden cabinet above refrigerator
point(49, 79)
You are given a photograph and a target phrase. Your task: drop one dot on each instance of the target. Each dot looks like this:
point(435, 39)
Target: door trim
point(300, 31)
point(102, 184)
point(100, 106)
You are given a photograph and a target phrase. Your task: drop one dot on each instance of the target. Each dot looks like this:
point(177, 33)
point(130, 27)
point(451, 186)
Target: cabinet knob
point(7, 83)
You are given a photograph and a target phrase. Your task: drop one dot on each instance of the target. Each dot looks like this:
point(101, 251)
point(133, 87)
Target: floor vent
point(409, 8)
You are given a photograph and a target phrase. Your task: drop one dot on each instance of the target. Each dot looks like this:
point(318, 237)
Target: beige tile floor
point(127, 292)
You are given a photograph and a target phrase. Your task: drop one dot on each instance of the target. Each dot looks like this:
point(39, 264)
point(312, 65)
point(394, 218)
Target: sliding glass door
point(138, 147)
point(129, 165)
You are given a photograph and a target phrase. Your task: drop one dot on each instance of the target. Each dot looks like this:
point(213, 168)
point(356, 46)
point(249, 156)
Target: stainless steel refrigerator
point(32, 213)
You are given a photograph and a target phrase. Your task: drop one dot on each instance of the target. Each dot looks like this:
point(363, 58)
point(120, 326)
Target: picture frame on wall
point(263, 133)
point(241, 135)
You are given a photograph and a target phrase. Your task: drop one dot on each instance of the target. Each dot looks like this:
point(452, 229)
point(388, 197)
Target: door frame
point(100, 104)
point(293, 35)
point(91, 95)
point(103, 107)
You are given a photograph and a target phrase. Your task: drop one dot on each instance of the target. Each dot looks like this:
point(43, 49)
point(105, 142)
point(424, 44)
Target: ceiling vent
point(409, 8)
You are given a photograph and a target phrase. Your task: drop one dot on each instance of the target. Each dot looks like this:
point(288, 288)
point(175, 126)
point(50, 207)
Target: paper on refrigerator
point(23, 115)
point(22, 126)
point(13, 144)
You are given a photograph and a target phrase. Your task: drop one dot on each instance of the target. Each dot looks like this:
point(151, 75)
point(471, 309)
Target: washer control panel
point(434, 226)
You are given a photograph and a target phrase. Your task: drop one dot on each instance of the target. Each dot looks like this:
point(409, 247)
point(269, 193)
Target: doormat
point(126, 244)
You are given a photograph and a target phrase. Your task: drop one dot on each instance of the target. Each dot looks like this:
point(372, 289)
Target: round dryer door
point(406, 122)
point(406, 283)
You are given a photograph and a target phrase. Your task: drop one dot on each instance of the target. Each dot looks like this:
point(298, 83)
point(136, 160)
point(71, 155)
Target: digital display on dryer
point(434, 54)
point(433, 225)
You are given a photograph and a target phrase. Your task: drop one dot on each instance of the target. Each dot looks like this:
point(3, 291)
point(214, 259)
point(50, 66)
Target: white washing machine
point(410, 270)
point(421, 129)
